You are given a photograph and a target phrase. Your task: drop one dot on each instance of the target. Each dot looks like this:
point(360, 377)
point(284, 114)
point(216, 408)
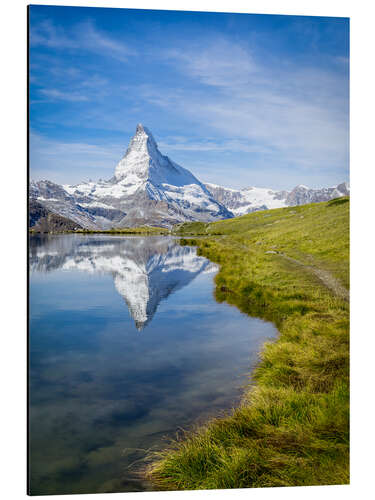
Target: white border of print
point(13, 244)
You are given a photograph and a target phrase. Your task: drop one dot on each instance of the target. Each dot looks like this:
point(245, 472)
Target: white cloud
point(82, 36)
point(220, 64)
point(289, 123)
point(62, 161)
point(64, 96)
point(47, 34)
point(300, 113)
point(182, 144)
point(95, 40)
point(89, 89)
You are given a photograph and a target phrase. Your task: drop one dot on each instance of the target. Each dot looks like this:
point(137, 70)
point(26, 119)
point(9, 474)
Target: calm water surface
point(127, 346)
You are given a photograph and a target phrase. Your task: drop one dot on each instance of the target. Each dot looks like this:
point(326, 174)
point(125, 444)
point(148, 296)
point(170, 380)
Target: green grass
point(191, 228)
point(292, 427)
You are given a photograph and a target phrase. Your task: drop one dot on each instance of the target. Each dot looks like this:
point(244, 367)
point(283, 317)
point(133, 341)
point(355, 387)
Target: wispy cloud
point(67, 84)
point(184, 144)
point(82, 36)
point(51, 159)
point(300, 113)
point(64, 96)
point(220, 64)
point(342, 60)
point(57, 81)
point(47, 34)
point(239, 105)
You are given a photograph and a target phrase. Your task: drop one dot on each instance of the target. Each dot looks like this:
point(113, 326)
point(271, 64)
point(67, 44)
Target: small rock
point(271, 251)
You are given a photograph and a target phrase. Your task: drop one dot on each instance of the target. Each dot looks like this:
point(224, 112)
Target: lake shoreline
point(123, 329)
point(142, 231)
point(292, 426)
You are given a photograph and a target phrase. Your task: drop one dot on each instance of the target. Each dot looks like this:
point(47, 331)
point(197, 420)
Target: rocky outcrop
point(41, 220)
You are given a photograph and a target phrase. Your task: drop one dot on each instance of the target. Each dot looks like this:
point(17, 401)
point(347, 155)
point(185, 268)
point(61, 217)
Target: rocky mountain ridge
point(148, 188)
point(43, 220)
point(251, 199)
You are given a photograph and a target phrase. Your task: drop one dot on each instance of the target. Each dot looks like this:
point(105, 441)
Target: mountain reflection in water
point(102, 397)
point(145, 270)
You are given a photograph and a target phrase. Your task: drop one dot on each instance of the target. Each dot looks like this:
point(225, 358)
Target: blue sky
point(238, 99)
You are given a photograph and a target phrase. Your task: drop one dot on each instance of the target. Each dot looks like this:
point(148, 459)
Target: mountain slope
point(147, 188)
point(247, 200)
point(44, 221)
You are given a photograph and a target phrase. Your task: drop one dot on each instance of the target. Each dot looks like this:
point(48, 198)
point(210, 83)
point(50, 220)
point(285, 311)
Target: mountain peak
point(144, 163)
point(144, 170)
point(137, 157)
point(142, 131)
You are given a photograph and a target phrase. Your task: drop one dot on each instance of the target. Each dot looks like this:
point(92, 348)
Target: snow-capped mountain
point(244, 201)
point(145, 270)
point(147, 188)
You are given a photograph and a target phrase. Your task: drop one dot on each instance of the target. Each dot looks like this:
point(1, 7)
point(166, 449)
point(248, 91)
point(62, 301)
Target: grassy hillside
point(289, 266)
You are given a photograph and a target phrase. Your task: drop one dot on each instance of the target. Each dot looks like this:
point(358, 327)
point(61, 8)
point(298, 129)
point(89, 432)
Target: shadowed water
point(127, 346)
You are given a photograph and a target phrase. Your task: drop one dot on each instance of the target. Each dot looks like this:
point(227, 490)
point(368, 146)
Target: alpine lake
point(127, 349)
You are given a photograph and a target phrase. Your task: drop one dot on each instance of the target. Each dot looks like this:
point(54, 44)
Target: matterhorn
point(147, 188)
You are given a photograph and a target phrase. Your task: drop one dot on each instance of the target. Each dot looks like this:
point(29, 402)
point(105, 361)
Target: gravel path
point(328, 280)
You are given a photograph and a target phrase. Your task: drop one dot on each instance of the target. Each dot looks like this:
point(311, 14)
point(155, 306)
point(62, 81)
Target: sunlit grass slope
point(289, 266)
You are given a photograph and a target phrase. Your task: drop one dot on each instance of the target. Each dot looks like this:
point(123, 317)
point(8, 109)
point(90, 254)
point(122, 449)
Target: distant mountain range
point(148, 188)
point(244, 201)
